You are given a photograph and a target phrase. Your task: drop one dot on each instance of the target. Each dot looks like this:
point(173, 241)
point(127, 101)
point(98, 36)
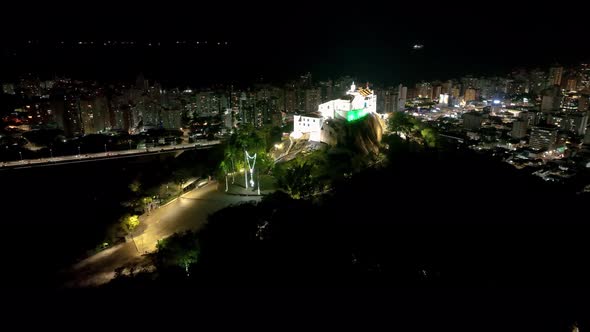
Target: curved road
point(27, 163)
point(190, 211)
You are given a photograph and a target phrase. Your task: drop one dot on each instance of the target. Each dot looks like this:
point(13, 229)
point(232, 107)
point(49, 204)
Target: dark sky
point(279, 41)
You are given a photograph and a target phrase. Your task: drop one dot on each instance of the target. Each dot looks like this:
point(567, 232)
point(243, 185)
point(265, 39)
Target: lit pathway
point(190, 211)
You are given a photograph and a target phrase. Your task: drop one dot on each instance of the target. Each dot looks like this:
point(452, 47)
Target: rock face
point(363, 135)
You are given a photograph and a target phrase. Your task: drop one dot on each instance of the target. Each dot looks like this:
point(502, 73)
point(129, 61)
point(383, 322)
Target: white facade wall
point(306, 124)
point(329, 109)
point(337, 108)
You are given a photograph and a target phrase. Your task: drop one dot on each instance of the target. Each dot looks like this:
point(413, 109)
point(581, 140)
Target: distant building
point(424, 90)
point(207, 104)
point(326, 90)
point(290, 100)
point(555, 74)
point(402, 95)
point(470, 94)
point(94, 113)
point(469, 82)
point(341, 85)
point(446, 87)
point(305, 81)
point(583, 102)
point(543, 137)
point(141, 83)
point(436, 91)
point(472, 120)
point(519, 129)
point(517, 87)
point(228, 119)
point(575, 123)
point(443, 99)
point(537, 81)
point(171, 119)
point(87, 117)
point(8, 88)
point(572, 84)
point(587, 137)
point(276, 119)
point(386, 101)
point(551, 101)
point(66, 107)
point(313, 99)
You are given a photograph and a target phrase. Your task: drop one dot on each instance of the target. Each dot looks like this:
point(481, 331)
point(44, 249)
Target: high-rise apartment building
point(470, 94)
point(519, 129)
point(543, 137)
point(472, 120)
point(555, 74)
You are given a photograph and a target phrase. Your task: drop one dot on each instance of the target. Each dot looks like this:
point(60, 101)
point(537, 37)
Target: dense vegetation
point(429, 217)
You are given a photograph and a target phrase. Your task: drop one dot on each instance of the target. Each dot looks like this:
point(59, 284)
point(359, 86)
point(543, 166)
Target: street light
point(21, 155)
point(105, 148)
point(50, 153)
point(78, 151)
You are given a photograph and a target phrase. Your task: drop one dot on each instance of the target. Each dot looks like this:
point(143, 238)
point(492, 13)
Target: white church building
point(355, 105)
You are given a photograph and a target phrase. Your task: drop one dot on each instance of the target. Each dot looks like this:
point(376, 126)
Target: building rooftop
point(314, 114)
point(347, 97)
point(545, 126)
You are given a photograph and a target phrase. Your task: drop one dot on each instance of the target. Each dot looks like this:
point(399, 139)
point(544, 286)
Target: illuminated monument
point(356, 104)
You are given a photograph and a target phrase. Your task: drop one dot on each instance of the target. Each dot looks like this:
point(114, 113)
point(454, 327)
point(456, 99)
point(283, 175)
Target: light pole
point(105, 148)
point(50, 153)
point(250, 168)
point(233, 174)
point(21, 155)
point(78, 151)
point(246, 171)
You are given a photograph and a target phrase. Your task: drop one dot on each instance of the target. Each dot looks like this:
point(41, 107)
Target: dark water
point(379, 57)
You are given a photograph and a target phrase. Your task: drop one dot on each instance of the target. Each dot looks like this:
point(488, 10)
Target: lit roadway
point(190, 211)
point(86, 157)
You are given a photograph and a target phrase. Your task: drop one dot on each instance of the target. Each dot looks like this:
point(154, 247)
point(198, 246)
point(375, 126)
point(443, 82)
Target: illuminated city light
point(251, 166)
point(356, 114)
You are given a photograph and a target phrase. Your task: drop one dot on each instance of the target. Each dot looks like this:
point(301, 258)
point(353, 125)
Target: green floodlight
point(354, 115)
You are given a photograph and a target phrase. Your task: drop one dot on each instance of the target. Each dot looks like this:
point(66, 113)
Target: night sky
point(276, 43)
